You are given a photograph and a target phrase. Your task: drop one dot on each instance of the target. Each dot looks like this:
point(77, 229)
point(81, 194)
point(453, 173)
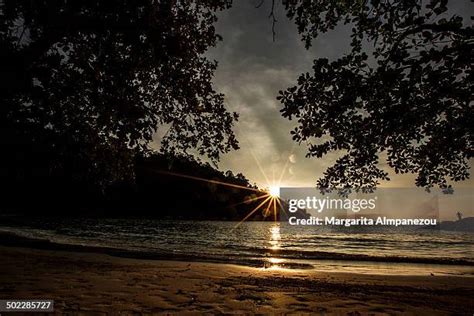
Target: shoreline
point(85, 282)
point(11, 239)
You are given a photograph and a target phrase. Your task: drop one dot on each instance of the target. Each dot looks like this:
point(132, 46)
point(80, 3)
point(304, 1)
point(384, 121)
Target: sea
point(266, 245)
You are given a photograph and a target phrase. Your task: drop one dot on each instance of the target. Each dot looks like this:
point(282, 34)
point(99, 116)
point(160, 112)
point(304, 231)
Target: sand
point(82, 283)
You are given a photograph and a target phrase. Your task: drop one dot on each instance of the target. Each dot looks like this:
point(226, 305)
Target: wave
point(256, 257)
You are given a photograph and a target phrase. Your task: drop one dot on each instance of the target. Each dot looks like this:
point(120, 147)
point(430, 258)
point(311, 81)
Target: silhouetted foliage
point(404, 90)
point(183, 187)
point(85, 84)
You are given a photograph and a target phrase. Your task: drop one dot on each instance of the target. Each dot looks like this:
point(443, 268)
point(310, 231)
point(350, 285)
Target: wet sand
point(82, 282)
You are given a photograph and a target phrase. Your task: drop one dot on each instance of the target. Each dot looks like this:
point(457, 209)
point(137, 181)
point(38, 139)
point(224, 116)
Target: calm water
point(257, 243)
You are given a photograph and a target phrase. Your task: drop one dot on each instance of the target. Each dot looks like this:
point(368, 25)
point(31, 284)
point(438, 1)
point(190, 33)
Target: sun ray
point(259, 166)
point(251, 212)
point(265, 213)
point(250, 200)
point(273, 174)
point(271, 196)
point(281, 207)
point(274, 209)
point(207, 180)
point(286, 164)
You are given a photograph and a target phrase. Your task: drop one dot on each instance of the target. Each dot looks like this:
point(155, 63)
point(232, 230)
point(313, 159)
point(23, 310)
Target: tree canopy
point(402, 93)
point(85, 85)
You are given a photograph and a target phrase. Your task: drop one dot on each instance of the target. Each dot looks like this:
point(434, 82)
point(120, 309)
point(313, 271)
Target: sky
point(252, 69)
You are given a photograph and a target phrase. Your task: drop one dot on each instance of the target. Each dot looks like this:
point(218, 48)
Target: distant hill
point(465, 225)
point(164, 187)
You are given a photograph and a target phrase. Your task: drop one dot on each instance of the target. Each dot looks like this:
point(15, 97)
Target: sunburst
point(271, 204)
point(268, 199)
point(274, 191)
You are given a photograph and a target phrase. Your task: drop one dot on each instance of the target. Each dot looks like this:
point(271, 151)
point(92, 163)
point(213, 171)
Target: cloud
point(252, 69)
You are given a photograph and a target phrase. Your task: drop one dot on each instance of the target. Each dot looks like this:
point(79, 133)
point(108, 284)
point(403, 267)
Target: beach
point(236, 157)
point(86, 282)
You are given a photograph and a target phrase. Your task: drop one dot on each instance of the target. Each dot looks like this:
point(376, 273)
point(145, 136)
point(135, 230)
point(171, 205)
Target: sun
point(274, 191)
point(269, 200)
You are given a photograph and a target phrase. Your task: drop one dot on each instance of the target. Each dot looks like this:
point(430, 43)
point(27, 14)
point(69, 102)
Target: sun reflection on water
point(275, 245)
point(275, 237)
point(275, 261)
